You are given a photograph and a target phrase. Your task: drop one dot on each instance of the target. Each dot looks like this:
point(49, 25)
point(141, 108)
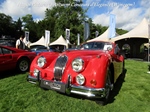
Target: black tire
point(23, 65)
point(108, 89)
point(123, 67)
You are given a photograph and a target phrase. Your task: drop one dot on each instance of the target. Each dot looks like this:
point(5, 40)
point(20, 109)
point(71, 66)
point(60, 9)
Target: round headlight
point(77, 64)
point(41, 61)
point(80, 79)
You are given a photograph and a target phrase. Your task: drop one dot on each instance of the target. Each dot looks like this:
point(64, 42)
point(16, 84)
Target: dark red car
point(90, 71)
point(12, 58)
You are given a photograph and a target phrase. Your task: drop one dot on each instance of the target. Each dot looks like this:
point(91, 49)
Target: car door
point(6, 59)
point(117, 61)
point(1, 60)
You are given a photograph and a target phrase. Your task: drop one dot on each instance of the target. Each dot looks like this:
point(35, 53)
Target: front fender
point(96, 69)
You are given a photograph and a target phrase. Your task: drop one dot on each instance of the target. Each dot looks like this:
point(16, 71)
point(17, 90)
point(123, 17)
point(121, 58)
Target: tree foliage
point(30, 25)
point(121, 31)
point(6, 25)
point(70, 17)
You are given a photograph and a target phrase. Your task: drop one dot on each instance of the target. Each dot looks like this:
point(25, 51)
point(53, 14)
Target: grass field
point(131, 94)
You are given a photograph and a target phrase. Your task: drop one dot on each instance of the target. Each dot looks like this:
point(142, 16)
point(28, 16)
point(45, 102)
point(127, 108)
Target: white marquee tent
point(41, 41)
point(60, 41)
point(140, 31)
point(103, 37)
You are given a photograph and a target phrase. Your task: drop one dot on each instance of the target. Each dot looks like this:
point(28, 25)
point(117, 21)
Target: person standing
point(20, 44)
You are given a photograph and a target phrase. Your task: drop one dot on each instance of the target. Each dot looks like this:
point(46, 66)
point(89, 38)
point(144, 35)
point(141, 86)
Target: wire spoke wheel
point(108, 88)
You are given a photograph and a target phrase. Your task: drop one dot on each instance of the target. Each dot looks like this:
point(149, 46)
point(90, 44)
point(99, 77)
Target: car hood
point(69, 56)
point(84, 53)
point(75, 53)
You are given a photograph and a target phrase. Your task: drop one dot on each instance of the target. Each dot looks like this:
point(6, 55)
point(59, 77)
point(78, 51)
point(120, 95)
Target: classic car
point(7, 42)
point(91, 70)
point(40, 48)
point(12, 58)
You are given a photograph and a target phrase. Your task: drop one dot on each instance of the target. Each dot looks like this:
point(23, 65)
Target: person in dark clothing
point(20, 44)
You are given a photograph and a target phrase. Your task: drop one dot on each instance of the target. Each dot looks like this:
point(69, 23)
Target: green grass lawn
point(131, 94)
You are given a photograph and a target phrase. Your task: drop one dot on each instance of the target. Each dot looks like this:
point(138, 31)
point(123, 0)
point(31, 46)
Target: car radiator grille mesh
point(59, 67)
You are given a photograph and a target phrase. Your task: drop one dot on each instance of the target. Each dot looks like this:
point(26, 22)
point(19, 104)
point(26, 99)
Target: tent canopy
point(103, 37)
point(60, 41)
point(140, 31)
point(41, 41)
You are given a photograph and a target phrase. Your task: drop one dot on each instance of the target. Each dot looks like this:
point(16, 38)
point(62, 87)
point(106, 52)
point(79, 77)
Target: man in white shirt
point(20, 44)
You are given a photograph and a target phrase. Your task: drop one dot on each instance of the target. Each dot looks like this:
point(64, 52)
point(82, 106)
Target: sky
point(128, 13)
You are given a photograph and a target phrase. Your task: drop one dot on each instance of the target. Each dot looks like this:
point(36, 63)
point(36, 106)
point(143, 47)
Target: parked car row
point(8, 42)
point(12, 58)
point(90, 70)
point(40, 48)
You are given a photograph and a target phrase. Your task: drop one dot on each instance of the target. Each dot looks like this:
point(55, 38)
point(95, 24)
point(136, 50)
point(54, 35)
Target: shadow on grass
point(117, 87)
point(9, 73)
point(113, 93)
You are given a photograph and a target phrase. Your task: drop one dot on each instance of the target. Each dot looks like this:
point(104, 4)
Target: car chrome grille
point(59, 67)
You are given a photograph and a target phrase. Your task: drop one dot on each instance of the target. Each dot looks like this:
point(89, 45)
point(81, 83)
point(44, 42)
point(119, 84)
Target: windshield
point(96, 46)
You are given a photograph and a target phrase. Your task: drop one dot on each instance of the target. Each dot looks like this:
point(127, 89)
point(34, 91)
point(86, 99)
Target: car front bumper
point(68, 88)
point(31, 79)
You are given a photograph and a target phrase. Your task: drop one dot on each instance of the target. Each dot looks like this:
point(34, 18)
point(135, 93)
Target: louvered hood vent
point(60, 67)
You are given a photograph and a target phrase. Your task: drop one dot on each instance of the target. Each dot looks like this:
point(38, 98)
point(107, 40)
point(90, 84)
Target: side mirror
point(109, 48)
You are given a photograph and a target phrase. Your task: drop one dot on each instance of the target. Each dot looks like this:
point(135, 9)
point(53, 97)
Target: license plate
point(55, 86)
point(58, 86)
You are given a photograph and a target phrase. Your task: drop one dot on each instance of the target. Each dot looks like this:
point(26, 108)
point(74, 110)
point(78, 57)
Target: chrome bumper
point(89, 92)
point(32, 79)
point(68, 88)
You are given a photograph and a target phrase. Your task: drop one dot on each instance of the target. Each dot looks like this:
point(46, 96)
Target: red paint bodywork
point(9, 60)
point(96, 63)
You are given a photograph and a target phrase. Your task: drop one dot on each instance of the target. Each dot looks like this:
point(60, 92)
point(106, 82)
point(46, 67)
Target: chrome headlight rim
point(80, 79)
point(78, 64)
point(41, 61)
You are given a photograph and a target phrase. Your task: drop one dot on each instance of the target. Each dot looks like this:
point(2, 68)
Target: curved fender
point(97, 70)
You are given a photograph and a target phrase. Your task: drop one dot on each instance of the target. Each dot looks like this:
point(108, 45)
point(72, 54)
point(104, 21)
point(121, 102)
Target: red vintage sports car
point(90, 70)
point(12, 58)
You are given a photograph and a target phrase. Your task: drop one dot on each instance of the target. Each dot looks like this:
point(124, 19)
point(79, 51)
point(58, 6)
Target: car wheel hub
point(23, 65)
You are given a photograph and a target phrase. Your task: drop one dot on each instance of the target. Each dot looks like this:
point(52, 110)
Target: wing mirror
point(109, 48)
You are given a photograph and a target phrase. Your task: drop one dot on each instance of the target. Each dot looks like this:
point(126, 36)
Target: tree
point(18, 28)
point(30, 25)
point(70, 16)
point(6, 25)
point(27, 21)
point(121, 31)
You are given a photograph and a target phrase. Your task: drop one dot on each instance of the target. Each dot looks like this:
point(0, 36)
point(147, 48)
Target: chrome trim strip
point(32, 79)
point(89, 92)
point(60, 66)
